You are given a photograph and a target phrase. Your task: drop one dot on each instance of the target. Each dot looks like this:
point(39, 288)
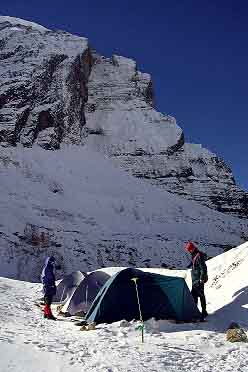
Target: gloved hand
point(204, 280)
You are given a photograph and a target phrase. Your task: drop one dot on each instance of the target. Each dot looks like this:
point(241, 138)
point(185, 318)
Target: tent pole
point(62, 294)
point(86, 297)
point(141, 318)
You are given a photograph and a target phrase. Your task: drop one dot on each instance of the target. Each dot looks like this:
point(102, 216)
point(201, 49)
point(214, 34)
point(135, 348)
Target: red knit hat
point(190, 247)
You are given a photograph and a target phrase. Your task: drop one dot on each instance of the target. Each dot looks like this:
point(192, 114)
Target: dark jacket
point(199, 272)
point(48, 277)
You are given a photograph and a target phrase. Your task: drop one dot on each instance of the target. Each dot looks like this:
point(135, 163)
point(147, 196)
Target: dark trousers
point(198, 292)
point(48, 299)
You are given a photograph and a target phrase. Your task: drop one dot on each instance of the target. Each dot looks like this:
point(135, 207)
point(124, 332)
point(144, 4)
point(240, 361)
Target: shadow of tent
point(234, 311)
point(220, 319)
point(241, 290)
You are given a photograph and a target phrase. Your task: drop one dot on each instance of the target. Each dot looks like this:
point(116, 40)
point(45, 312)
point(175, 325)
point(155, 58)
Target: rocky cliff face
point(43, 89)
point(122, 123)
point(55, 89)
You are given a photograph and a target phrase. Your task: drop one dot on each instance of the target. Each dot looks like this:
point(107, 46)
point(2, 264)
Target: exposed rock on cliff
point(43, 91)
point(122, 123)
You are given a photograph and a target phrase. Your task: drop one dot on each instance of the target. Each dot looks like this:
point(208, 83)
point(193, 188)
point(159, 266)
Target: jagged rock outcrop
point(55, 89)
point(122, 123)
point(43, 91)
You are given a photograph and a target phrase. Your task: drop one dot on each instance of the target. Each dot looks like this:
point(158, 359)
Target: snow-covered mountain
point(76, 205)
point(57, 93)
point(55, 89)
point(121, 122)
point(30, 343)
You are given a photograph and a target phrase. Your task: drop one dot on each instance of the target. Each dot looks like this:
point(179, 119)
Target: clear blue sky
point(195, 50)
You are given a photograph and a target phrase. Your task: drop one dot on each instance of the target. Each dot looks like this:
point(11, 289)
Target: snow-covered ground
point(28, 343)
point(76, 205)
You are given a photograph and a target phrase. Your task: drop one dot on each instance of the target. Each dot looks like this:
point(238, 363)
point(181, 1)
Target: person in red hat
point(199, 275)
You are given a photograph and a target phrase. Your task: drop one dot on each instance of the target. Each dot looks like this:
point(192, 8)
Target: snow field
point(96, 215)
point(29, 343)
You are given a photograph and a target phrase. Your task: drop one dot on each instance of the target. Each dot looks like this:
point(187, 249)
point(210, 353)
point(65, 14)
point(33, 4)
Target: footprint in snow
point(6, 339)
point(10, 332)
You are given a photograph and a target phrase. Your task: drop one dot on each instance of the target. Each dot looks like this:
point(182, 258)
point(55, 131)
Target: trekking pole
point(141, 327)
point(61, 298)
point(86, 297)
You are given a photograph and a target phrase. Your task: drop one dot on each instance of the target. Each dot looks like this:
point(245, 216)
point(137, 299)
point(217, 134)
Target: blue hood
point(49, 260)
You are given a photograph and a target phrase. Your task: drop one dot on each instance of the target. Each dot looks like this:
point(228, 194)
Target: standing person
point(49, 286)
point(199, 276)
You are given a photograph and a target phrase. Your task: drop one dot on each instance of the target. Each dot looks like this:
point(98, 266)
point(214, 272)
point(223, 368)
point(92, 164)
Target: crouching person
point(49, 286)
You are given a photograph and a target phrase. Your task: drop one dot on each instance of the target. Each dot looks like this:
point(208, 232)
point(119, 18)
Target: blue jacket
point(48, 277)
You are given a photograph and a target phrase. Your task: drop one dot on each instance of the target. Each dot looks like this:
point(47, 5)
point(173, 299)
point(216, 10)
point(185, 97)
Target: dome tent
point(85, 293)
point(68, 285)
point(161, 297)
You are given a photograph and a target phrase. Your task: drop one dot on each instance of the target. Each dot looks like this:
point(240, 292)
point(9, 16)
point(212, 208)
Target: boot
point(204, 313)
point(48, 313)
point(51, 317)
point(203, 306)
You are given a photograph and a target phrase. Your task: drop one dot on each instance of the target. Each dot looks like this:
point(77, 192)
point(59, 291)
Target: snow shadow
point(235, 311)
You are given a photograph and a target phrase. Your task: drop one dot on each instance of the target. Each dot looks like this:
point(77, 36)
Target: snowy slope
point(74, 204)
point(228, 285)
point(31, 344)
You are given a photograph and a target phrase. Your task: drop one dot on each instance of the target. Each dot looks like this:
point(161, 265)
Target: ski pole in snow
point(141, 327)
